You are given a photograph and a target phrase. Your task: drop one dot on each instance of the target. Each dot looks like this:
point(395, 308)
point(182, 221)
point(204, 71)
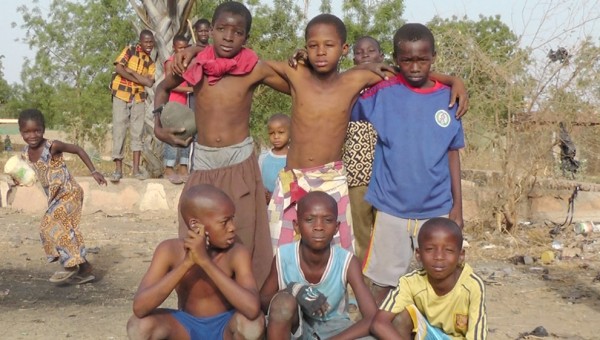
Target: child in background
point(444, 300)
point(273, 160)
point(59, 230)
point(180, 95)
point(359, 151)
point(306, 291)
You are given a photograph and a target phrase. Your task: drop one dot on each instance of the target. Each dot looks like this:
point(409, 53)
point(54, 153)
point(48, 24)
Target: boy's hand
point(182, 59)
point(378, 68)
point(99, 178)
point(456, 216)
point(459, 93)
point(312, 302)
point(169, 136)
point(300, 56)
point(196, 243)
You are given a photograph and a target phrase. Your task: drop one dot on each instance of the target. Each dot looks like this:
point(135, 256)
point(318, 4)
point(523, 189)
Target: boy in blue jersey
point(305, 293)
point(416, 170)
point(444, 300)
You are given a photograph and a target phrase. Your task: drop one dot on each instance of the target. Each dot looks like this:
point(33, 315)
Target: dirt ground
point(563, 296)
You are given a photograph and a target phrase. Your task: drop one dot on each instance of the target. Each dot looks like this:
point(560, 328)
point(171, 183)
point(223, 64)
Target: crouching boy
point(209, 270)
point(305, 293)
point(445, 300)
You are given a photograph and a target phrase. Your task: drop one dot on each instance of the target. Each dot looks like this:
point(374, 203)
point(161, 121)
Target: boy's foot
point(175, 179)
point(116, 176)
point(139, 175)
point(64, 275)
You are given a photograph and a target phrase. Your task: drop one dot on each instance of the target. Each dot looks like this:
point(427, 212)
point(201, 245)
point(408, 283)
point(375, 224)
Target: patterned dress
point(59, 230)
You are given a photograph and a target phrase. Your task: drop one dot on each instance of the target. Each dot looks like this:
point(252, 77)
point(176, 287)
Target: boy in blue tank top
point(416, 170)
point(273, 160)
point(305, 293)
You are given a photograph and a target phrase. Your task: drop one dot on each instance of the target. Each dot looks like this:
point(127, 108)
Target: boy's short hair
point(413, 32)
point(31, 114)
point(441, 222)
point(146, 33)
point(328, 19)
point(234, 7)
point(202, 21)
point(317, 194)
point(180, 37)
point(279, 117)
point(368, 37)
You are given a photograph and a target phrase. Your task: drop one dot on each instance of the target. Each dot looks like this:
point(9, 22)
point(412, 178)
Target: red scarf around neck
point(207, 63)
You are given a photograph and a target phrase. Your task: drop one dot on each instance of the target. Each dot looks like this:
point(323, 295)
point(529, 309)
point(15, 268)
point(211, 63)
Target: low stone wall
point(547, 201)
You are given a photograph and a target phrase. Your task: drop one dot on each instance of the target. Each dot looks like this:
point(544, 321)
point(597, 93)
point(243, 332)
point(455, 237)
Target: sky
point(541, 24)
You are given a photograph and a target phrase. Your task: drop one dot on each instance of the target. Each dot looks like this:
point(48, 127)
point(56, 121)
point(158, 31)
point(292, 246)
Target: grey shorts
point(391, 248)
point(127, 115)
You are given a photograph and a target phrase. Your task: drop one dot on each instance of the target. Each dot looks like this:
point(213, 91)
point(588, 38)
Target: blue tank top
point(332, 284)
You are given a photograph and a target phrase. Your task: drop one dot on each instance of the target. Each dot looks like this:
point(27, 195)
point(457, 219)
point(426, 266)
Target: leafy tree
point(5, 90)
point(68, 78)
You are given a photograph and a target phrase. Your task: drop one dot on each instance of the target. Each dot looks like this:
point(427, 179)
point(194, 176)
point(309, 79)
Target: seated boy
point(444, 300)
point(211, 273)
point(305, 293)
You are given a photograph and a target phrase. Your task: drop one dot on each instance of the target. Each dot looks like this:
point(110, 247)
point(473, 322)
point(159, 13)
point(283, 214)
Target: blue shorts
point(203, 328)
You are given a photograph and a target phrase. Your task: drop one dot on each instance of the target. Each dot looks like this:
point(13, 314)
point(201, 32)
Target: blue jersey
point(270, 165)
point(332, 284)
point(415, 127)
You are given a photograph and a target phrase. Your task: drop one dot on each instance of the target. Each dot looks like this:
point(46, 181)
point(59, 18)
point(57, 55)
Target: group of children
point(220, 259)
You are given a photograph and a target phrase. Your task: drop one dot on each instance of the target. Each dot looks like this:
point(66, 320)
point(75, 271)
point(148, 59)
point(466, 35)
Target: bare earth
point(563, 297)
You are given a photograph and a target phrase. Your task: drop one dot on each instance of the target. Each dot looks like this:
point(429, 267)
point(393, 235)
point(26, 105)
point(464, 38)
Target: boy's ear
point(461, 257)
point(296, 228)
point(345, 49)
point(417, 255)
point(337, 227)
point(434, 57)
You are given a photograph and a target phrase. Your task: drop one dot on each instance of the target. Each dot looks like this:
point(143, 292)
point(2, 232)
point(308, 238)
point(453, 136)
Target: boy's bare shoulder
point(171, 248)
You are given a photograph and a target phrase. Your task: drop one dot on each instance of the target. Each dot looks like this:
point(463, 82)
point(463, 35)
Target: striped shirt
point(461, 313)
point(136, 59)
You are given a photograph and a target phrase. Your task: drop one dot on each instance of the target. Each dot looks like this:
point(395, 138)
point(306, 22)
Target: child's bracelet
point(93, 172)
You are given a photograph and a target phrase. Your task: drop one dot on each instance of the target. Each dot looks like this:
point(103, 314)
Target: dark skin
point(317, 224)
point(33, 134)
point(322, 98)
point(223, 109)
point(209, 271)
point(440, 251)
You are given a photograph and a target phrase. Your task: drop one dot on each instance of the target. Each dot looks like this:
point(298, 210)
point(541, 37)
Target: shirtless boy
point(224, 151)
point(322, 99)
point(211, 273)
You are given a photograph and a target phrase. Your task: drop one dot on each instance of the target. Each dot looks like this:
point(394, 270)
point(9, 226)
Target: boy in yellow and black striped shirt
point(444, 300)
point(134, 69)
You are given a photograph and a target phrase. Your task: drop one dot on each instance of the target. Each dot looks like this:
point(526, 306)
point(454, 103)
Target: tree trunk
point(165, 18)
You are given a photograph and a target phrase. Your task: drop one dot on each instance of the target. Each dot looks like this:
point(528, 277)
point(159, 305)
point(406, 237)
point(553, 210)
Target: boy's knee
point(139, 328)
point(403, 323)
point(283, 307)
point(248, 329)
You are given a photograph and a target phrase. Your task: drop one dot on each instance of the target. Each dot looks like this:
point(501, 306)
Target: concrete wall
point(548, 200)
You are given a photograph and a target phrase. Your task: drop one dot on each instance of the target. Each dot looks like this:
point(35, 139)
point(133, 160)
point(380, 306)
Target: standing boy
point(179, 94)
point(359, 151)
point(444, 300)
point(322, 99)
point(211, 273)
point(306, 291)
point(134, 71)
point(416, 171)
point(224, 76)
point(273, 160)
point(202, 31)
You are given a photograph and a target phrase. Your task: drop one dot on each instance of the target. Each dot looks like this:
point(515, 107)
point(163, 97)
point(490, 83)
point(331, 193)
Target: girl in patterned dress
point(59, 230)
